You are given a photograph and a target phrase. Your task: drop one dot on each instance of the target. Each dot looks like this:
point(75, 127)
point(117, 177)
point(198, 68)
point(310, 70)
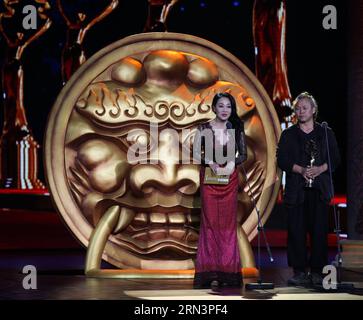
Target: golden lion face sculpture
point(107, 108)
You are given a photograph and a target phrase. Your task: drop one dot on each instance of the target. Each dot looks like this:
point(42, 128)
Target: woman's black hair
point(236, 122)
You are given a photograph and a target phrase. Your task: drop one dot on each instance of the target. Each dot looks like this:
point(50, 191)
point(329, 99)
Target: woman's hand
point(227, 170)
point(214, 166)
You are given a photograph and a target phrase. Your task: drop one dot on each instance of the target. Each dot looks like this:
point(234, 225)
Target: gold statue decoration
point(158, 11)
point(269, 32)
point(78, 25)
point(18, 148)
point(152, 90)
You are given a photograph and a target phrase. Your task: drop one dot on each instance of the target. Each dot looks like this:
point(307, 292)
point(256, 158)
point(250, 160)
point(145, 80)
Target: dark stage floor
point(60, 277)
point(39, 238)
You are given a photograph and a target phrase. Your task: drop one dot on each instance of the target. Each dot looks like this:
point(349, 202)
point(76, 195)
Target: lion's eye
point(139, 137)
point(142, 138)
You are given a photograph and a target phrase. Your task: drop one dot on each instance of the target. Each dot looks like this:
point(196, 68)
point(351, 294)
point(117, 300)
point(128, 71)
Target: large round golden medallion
point(169, 80)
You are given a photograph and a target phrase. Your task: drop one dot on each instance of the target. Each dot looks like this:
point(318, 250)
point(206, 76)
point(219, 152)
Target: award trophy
point(78, 23)
point(269, 33)
point(158, 12)
point(18, 148)
point(312, 151)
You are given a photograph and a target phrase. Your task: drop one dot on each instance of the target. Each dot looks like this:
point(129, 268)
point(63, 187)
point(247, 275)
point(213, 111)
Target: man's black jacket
point(290, 151)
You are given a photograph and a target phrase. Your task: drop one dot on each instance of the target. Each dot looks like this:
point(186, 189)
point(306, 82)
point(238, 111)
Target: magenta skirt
point(218, 255)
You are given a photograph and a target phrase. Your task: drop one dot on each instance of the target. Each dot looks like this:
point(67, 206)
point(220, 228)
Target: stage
point(60, 277)
point(73, 105)
point(40, 238)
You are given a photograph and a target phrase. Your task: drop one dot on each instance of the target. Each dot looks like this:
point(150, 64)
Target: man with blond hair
point(302, 153)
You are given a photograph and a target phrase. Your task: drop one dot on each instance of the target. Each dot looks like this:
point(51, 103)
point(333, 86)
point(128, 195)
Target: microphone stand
point(259, 285)
point(339, 286)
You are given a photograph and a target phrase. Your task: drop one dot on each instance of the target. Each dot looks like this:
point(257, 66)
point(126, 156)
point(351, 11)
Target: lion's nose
point(166, 177)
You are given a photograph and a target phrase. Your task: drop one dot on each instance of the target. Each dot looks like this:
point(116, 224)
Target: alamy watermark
point(168, 143)
point(330, 18)
point(330, 280)
point(30, 280)
point(30, 18)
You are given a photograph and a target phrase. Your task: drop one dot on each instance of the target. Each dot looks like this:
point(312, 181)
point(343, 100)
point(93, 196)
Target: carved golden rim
point(54, 159)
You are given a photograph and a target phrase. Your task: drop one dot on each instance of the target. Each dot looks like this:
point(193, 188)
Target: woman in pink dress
point(218, 260)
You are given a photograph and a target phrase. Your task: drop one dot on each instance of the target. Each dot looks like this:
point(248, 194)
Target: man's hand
point(314, 171)
point(302, 170)
point(304, 173)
